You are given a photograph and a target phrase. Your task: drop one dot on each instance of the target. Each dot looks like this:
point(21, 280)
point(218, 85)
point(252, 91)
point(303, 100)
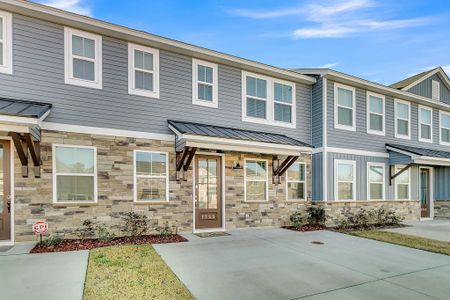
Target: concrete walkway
point(282, 264)
point(432, 229)
point(42, 276)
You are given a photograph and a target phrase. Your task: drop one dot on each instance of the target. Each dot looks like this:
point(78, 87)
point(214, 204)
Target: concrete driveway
point(282, 264)
point(430, 229)
point(42, 276)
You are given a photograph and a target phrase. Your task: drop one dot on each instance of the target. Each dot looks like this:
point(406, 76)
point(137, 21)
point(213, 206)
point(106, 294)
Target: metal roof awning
point(21, 120)
point(401, 154)
point(205, 136)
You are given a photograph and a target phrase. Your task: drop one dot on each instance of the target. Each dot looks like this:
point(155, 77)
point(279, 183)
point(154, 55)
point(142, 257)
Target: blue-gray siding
point(423, 88)
point(317, 177)
point(442, 183)
point(398, 158)
point(38, 51)
point(317, 114)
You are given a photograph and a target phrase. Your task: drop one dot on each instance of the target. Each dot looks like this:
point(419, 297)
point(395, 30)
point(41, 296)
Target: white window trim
point(54, 174)
point(305, 193)
point(420, 123)
point(215, 86)
point(7, 67)
point(383, 115)
point(438, 96)
point(270, 101)
point(135, 177)
point(441, 113)
point(353, 90)
point(68, 59)
point(400, 136)
point(266, 180)
point(398, 168)
point(131, 74)
point(336, 182)
point(372, 164)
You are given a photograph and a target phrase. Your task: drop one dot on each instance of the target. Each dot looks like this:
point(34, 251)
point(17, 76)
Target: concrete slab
point(430, 229)
point(19, 248)
point(282, 264)
point(43, 276)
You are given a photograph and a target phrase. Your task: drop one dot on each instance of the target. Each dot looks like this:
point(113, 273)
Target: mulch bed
point(74, 245)
point(305, 228)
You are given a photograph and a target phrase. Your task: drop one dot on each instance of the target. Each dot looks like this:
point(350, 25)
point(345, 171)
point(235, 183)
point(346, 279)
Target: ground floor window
point(345, 174)
point(296, 182)
point(375, 181)
point(256, 180)
point(74, 174)
point(402, 184)
point(151, 176)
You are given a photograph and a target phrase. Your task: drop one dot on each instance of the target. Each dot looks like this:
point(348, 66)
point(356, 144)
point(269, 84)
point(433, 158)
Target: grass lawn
point(406, 240)
point(131, 272)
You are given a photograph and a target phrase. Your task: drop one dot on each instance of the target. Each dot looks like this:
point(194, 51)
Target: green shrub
point(87, 230)
point(135, 224)
point(53, 240)
point(316, 216)
point(103, 234)
point(297, 219)
point(164, 231)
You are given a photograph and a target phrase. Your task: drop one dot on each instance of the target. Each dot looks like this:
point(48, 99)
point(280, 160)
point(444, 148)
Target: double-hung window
point(375, 181)
point(402, 119)
point(5, 42)
point(402, 184)
point(74, 174)
point(151, 176)
point(268, 101)
point(425, 124)
point(344, 176)
point(83, 58)
point(444, 128)
point(204, 83)
point(344, 107)
point(143, 71)
point(256, 180)
point(375, 114)
point(296, 182)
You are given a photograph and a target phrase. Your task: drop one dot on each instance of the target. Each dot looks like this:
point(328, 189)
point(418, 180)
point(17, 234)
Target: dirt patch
point(305, 228)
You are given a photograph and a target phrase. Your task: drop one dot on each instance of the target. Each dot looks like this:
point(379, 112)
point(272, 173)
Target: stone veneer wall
point(34, 196)
point(442, 209)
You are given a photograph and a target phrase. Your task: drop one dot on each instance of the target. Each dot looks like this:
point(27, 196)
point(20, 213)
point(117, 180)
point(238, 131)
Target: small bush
point(164, 231)
point(367, 219)
point(393, 218)
point(103, 234)
point(135, 224)
point(297, 219)
point(53, 240)
point(87, 230)
point(316, 216)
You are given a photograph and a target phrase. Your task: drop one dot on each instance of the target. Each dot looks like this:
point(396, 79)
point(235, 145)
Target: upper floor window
point(204, 83)
point(425, 124)
point(375, 113)
point(143, 71)
point(256, 180)
point(268, 101)
point(83, 58)
point(344, 107)
point(344, 179)
point(5, 42)
point(375, 181)
point(296, 182)
point(402, 119)
point(444, 128)
point(74, 174)
point(151, 176)
point(435, 90)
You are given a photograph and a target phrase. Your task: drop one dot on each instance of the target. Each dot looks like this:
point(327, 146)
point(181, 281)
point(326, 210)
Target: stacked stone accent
point(442, 209)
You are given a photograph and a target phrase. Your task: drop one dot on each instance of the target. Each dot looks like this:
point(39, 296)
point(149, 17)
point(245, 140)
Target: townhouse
point(97, 120)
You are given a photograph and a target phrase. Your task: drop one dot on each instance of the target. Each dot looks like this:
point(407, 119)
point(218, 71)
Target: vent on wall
point(435, 90)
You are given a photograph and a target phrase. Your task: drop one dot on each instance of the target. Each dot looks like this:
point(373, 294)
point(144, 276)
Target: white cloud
point(75, 6)
point(329, 66)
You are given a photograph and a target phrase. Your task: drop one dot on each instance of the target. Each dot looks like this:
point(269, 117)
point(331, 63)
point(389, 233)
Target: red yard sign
point(40, 227)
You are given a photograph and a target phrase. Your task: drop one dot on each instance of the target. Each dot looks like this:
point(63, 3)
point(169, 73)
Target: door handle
point(8, 204)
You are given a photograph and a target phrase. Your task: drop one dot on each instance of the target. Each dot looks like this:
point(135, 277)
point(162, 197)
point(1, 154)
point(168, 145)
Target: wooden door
point(208, 192)
point(425, 193)
point(5, 190)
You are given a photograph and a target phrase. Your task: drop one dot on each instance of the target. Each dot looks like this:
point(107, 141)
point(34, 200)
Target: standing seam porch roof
point(421, 151)
point(21, 108)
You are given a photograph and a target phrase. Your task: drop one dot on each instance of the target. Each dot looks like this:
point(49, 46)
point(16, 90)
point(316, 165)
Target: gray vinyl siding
point(423, 88)
point(361, 176)
point(317, 114)
point(38, 58)
point(361, 140)
point(317, 177)
point(442, 183)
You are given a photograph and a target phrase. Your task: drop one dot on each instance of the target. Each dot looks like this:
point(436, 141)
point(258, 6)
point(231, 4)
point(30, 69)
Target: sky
point(379, 40)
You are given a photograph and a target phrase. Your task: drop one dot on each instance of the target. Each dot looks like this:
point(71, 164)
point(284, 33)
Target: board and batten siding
point(317, 114)
point(317, 177)
point(361, 176)
point(442, 183)
point(361, 140)
point(38, 58)
point(424, 88)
